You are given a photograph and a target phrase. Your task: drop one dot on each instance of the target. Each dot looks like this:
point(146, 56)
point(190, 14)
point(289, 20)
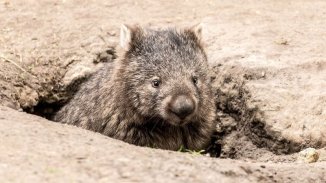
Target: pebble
point(309, 155)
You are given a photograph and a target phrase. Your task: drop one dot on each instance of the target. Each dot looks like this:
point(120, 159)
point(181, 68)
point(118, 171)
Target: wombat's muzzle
point(182, 106)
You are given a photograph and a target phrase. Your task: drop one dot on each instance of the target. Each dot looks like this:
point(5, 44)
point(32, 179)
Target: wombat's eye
point(156, 83)
point(195, 79)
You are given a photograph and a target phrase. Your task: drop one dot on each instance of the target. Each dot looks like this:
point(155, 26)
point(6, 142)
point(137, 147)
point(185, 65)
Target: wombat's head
point(164, 74)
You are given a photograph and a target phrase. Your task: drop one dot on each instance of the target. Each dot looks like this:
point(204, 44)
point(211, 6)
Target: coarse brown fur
point(121, 101)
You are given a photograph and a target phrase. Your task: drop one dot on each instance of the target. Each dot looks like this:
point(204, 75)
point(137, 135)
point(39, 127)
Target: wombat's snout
point(182, 106)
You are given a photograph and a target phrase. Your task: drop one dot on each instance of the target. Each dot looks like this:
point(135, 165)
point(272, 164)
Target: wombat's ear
point(197, 30)
point(125, 36)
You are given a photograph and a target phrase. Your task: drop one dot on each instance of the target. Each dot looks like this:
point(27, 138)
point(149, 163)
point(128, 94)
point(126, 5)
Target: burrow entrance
point(241, 132)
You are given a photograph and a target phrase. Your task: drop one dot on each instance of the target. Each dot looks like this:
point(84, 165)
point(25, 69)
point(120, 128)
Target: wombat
point(156, 94)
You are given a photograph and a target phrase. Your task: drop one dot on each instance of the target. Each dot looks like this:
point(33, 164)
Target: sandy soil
point(268, 69)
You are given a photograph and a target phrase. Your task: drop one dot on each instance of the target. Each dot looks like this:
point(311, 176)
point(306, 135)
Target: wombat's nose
point(182, 106)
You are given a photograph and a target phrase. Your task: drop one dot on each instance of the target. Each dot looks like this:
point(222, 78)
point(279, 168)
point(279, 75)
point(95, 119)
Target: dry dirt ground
point(268, 73)
point(36, 150)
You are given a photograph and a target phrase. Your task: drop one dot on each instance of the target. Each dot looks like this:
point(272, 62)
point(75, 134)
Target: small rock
point(309, 155)
point(282, 41)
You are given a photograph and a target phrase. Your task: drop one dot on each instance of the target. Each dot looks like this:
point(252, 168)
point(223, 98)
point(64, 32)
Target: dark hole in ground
point(47, 106)
point(236, 119)
point(215, 148)
point(45, 110)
